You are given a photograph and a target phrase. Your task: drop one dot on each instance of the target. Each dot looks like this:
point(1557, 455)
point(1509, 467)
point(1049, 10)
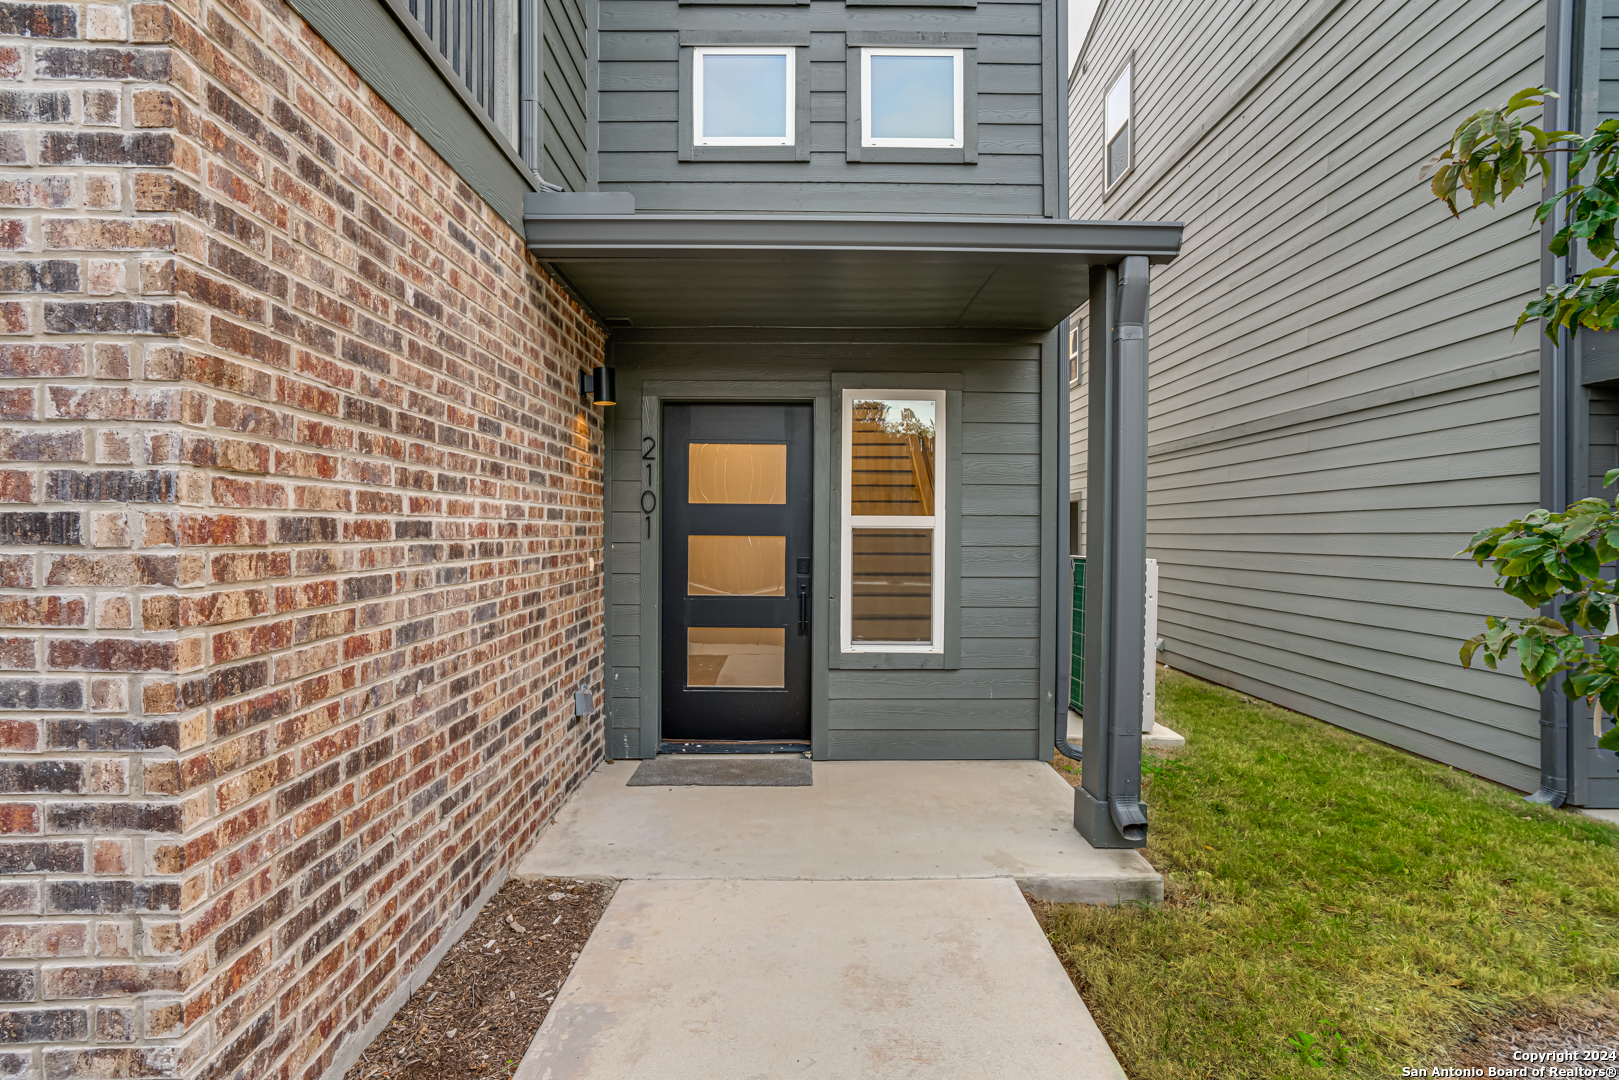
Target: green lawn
point(1321, 883)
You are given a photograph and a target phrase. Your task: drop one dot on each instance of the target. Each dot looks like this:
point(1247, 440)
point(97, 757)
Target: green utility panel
point(1076, 667)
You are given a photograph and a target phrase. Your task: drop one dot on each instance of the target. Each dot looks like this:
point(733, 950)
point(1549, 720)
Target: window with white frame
point(1118, 107)
point(742, 96)
point(893, 521)
point(1076, 352)
point(911, 97)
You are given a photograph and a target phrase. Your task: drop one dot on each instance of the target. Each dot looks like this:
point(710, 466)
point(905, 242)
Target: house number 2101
point(649, 498)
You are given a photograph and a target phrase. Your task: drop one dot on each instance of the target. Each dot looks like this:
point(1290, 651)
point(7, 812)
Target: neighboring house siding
point(1337, 398)
point(989, 706)
point(639, 112)
point(297, 556)
point(562, 69)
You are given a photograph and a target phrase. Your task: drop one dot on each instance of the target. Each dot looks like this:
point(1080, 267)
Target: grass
point(1334, 907)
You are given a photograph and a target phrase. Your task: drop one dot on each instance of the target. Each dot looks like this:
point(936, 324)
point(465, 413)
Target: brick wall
point(299, 546)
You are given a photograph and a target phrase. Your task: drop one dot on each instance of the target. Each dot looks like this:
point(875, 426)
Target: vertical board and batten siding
point(1337, 398)
point(989, 707)
point(562, 94)
point(638, 114)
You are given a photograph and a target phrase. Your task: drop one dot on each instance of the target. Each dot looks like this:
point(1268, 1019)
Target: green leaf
point(1583, 558)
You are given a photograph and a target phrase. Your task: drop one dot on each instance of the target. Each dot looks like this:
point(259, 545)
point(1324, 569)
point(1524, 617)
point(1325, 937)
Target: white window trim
point(866, 138)
point(700, 139)
point(1126, 71)
point(888, 521)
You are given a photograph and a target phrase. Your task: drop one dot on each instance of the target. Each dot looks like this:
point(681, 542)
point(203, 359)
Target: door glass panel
point(736, 656)
point(738, 473)
point(891, 596)
point(736, 566)
point(891, 459)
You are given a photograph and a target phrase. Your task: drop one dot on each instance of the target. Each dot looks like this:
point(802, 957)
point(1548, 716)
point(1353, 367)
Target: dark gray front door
point(736, 572)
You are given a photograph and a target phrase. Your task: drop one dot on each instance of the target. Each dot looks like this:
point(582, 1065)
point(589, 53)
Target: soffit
point(667, 270)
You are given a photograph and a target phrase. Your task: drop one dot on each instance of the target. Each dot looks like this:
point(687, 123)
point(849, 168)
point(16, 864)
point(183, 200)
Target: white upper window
point(742, 96)
point(893, 517)
point(911, 97)
point(1117, 151)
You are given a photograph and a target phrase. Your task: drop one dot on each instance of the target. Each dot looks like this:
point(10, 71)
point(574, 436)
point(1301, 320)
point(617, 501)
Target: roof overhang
point(667, 270)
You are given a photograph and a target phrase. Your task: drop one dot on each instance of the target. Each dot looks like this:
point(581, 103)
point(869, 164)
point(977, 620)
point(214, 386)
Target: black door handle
point(803, 608)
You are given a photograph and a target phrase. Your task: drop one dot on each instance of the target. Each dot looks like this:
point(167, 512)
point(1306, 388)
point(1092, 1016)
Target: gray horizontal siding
point(1337, 397)
point(638, 115)
point(562, 94)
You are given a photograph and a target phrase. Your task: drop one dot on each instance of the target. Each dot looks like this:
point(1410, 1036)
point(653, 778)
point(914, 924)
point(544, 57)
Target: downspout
point(530, 136)
point(1107, 805)
point(1554, 487)
point(528, 82)
point(1129, 567)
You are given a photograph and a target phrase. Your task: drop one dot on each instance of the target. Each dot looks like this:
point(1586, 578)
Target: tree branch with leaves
point(1492, 154)
point(1547, 558)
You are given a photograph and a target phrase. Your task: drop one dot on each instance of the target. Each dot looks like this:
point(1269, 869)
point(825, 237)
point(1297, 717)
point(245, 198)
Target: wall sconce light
point(598, 383)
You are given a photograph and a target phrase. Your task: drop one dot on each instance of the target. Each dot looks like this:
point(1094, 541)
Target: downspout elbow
point(1129, 817)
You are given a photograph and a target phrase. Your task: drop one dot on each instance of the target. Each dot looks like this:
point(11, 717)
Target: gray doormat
point(724, 770)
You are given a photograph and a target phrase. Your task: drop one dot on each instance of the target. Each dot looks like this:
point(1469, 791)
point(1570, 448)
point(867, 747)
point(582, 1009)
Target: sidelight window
point(893, 511)
point(743, 96)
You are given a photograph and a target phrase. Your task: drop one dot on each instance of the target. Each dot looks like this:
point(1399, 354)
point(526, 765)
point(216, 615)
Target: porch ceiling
point(663, 270)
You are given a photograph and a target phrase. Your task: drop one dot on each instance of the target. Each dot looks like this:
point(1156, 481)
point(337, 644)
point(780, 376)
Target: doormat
point(724, 770)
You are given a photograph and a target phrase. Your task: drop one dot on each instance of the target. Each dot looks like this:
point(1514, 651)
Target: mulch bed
point(477, 1013)
point(1571, 1029)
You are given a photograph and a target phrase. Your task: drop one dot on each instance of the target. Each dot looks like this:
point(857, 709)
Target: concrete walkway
point(861, 820)
point(869, 927)
point(841, 980)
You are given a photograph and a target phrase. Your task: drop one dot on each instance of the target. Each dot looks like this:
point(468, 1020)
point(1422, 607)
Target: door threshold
point(733, 746)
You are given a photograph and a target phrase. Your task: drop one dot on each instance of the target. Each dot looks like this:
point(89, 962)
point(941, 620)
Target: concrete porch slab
point(733, 980)
point(861, 821)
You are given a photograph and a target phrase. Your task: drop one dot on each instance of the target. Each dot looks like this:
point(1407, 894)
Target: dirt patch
point(1067, 768)
point(477, 1013)
point(1573, 1030)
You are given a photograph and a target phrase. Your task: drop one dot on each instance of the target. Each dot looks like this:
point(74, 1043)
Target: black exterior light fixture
point(598, 383)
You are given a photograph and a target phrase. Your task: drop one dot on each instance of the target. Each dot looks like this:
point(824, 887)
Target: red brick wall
point(299, 546)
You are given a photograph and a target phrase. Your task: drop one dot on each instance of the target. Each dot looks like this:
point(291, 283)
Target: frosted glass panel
point(736, 566)
point(891, 459)
point(736, 656)
point(913, 97)
point(744, 96)
point(891, 594)
point(738, 473)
